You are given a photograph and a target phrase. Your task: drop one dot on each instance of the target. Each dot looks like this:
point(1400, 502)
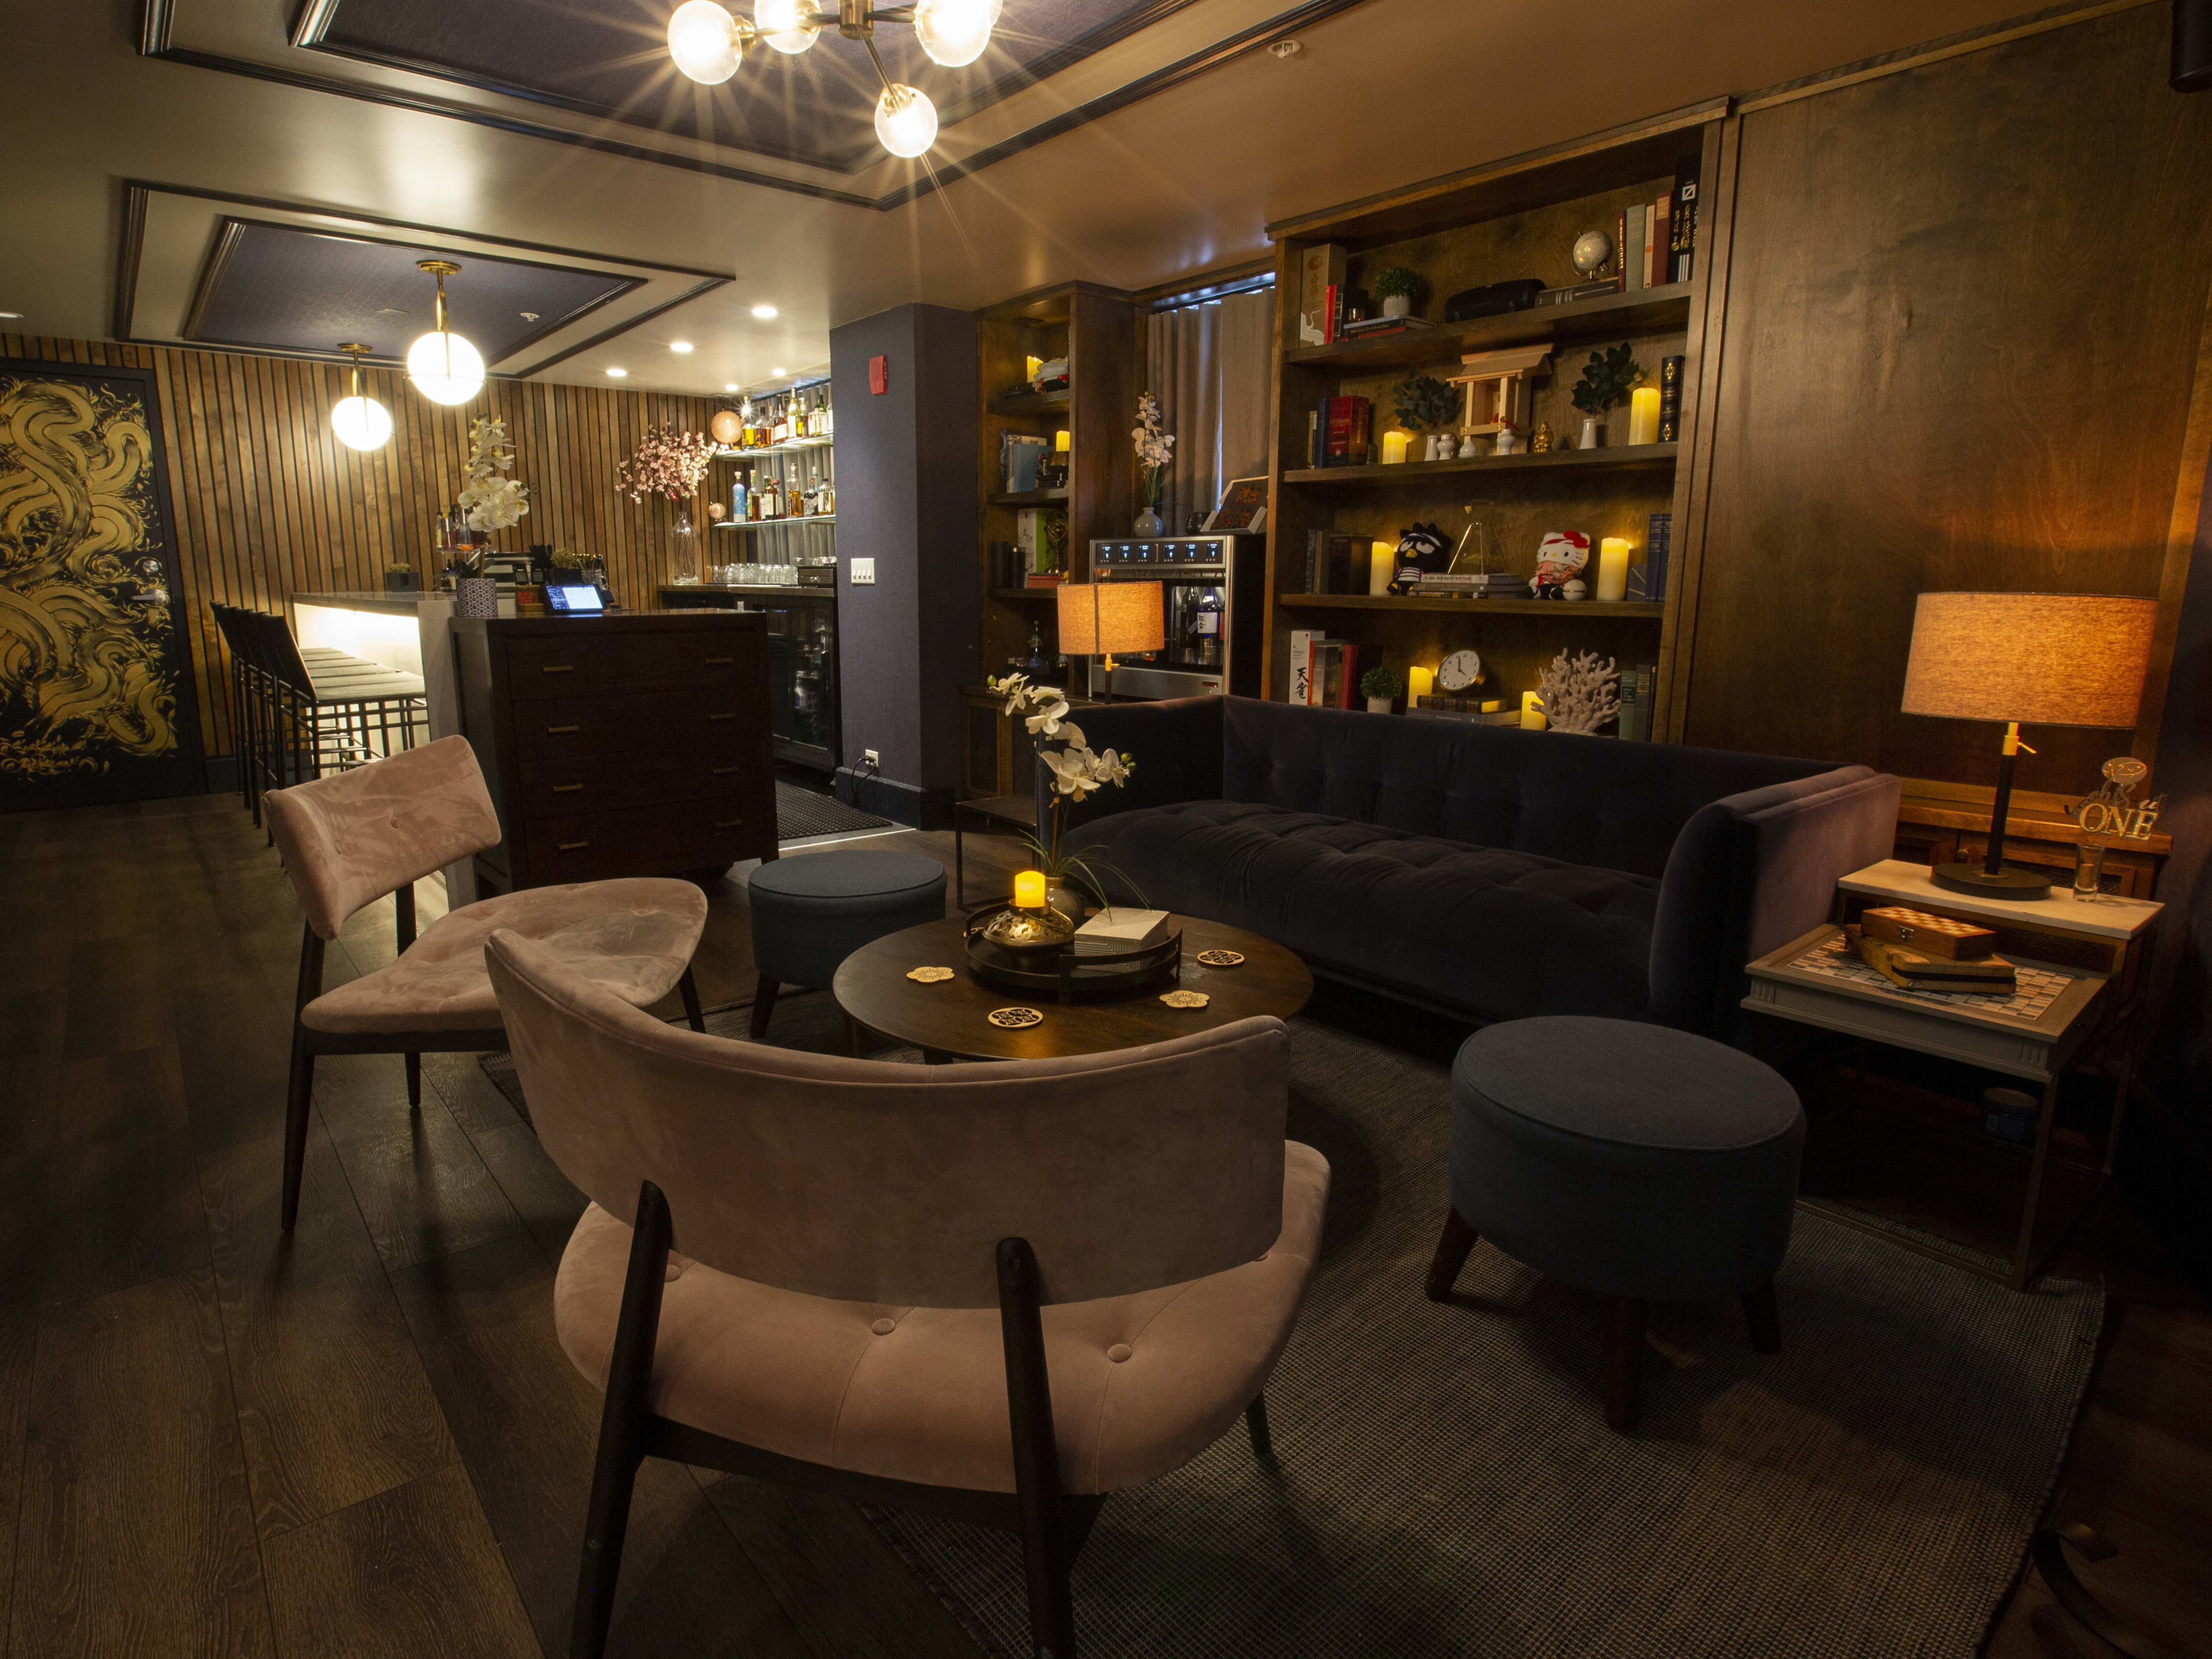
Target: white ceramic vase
point(1379, 705)
point(1398, 305)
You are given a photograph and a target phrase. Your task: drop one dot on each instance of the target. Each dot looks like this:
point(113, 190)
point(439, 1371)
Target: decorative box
point(1930, 935)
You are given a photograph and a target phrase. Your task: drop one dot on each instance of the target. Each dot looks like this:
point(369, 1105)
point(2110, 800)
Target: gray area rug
point(1445, 1483)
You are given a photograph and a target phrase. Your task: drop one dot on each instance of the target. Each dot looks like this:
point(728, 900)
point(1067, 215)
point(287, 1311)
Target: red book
point(1332, 309)
point(1349, 686)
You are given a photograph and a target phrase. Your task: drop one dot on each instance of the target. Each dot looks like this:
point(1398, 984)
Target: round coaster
point(930, 975)
point(1185, 998)
point(1221, 958)
point(1015, 1019)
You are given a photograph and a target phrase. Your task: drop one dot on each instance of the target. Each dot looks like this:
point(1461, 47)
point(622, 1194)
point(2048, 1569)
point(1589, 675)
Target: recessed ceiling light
point(618, 375)
point(681, 347)
point(764, 312)
point(11, 315)
point(729, 385)
point(779, 371)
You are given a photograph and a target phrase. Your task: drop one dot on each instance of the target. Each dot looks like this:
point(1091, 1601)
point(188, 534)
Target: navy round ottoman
point(1633, 1160)
point(812, 910)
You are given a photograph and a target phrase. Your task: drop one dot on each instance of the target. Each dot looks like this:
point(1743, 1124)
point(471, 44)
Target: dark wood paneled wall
point(264, 502)
point(1958, 352)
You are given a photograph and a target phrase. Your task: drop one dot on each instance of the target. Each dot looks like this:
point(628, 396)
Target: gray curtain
point(1208, 365)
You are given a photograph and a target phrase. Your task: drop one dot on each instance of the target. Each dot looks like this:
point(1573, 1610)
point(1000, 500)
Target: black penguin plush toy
point(1423, 550)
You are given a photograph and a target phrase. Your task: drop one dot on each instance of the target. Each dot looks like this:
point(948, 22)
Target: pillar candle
point(1420, 682)
point(1060, 440)
point(1028, 889)
point(1643, 414)
point(1531, 712)
point(1030, 366)
point(1613, 568)
point(1395, 444)
point(1383, 565)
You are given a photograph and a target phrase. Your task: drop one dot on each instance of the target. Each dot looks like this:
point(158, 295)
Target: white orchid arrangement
point(1076, 772)
point(490, 500)
point(1155, 448)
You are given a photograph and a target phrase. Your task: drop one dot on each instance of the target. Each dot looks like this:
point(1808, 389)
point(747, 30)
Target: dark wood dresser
point(621, 746)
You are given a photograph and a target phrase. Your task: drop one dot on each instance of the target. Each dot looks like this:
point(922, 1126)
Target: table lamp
point(2038, 658)
point(1096, 619)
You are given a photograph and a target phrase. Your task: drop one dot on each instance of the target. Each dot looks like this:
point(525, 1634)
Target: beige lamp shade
point(2039, 659)
point(1099, 618)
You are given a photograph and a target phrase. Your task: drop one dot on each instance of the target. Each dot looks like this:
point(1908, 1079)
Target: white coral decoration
point(489, 500)
point(1580, 694)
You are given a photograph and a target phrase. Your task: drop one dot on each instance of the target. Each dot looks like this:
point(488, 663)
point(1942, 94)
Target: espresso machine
point(1212, 609)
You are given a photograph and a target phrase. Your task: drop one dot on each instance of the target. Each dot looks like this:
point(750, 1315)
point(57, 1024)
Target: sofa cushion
point(1497, 933)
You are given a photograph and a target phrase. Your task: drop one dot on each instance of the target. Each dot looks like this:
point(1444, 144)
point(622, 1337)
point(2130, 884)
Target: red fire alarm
point(880, 376)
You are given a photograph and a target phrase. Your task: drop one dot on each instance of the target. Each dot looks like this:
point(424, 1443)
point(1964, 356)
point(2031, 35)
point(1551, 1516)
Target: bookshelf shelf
point(1647, 311)
point(1626, 459)
point(1031, 498)
point(1032, 402)
point(1557, 610)
point(1017, 595)
point(772, 524)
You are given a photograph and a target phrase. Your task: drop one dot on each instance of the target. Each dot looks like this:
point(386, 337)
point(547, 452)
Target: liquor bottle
point(829, 416)
point(797, 508)
point(1202, 635)
point(737, 500)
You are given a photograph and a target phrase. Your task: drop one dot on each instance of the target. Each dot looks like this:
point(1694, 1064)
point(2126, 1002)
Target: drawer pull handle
point(557, 668)
point(566, 788)
point(560, 731)
point(721, 717)
point(729, 823)
point(571, 846)
point(719, 662)
point(723, 771)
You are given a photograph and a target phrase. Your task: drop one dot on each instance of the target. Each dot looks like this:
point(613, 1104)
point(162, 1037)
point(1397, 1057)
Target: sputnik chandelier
point(708, 44)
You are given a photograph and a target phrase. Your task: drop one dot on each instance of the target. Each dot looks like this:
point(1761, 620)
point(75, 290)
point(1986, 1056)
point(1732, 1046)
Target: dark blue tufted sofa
point(1482, 870)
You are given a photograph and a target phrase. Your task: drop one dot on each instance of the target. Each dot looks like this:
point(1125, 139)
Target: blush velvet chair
point(353, 837)
point(1001, 1291)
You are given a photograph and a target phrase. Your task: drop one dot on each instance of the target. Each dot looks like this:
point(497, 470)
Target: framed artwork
point(96, 699)
point(1243, 507)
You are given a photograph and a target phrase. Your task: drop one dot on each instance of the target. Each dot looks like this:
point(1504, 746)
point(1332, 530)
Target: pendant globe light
point(359, 421)
point(707, 44)
point(445, 367)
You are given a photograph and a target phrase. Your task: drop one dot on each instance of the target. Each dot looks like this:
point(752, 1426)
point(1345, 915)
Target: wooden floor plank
point(410, 1572)
point(533, 1183)
point(333, 1406)
point(136, 1536)
point(19, 1329)
point(527, 1425)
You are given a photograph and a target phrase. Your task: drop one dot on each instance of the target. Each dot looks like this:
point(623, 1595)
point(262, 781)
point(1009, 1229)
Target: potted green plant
point(1396, 288)
point(1379, 685)
point(1423, 401)
point(1607, 379)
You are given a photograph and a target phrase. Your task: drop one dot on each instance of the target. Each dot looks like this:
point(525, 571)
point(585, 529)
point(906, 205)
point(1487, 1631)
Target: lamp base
point(2008, 882)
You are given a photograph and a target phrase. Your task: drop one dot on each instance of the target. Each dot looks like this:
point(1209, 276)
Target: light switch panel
point(863, 573)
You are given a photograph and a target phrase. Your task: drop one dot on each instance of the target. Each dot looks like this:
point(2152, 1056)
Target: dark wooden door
point(96, 700)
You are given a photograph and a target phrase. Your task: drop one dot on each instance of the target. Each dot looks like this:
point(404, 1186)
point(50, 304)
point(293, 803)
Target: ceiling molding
point(156, 42)
point(138, 195)
point(227, 239)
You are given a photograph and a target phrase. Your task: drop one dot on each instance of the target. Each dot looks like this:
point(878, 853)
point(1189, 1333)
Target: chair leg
point(621, 1425)
point(1255, 1425)
point(1764, 1319)
point(764, 1005)
point(414, 1082)
point(298, 1090)
point(1624, 1363)
point(688, 988)
point(853, 1037)
point(1045, 1552)
point(1452, 1251)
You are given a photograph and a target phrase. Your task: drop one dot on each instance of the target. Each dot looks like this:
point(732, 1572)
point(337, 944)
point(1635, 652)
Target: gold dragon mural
point(85, 624)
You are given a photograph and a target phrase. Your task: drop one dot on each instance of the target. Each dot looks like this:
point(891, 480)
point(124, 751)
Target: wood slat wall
point(264, 502)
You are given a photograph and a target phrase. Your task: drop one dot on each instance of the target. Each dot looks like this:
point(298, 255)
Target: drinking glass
point(2088, 868)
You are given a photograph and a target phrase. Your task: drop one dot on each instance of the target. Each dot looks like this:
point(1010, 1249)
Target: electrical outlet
point(872, 760)
point(863, 573)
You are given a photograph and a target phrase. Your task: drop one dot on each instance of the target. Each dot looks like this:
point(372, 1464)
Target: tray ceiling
point(611, 60)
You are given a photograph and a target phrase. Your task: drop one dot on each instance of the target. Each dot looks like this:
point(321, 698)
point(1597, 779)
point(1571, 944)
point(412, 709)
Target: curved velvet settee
point(1484, 871)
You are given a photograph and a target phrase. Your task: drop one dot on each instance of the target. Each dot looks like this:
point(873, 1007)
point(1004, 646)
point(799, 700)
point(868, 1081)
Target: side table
point(2078, 963)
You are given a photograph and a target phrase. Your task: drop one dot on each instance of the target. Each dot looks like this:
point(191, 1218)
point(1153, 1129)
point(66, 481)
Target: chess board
point(2037, 988)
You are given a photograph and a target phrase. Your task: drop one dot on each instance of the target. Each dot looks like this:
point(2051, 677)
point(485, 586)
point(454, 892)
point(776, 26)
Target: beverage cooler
point(1212, 611)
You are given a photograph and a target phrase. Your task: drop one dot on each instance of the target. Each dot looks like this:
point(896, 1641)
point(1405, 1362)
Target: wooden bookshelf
point(1032, 402)
point(1628, 458)
point(1511, 219)
point(1031, 498)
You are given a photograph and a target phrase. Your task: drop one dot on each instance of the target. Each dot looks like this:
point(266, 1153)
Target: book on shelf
point(1019, 456)
point(1465, 716)
point(1661, 254)
point(1682, 228)
point(1633, 246)
point(1332, 563)
point(1344, 439)
point(1670, 400)
point(1044, 579)
point(1336, 678)
point(1574, 292)
point(1636, 683)
point(1365, 327)
point(1301, 684)
point(1658, 551)
point(1321, 268)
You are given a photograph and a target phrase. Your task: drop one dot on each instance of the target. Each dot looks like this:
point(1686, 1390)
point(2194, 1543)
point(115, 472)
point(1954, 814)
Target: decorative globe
point(445, 368)
point(1593, 252)
point(727, 428)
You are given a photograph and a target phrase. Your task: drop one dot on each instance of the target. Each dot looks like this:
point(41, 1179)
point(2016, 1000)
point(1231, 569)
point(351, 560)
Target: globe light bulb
point(954, 31)
point(445, 368)
point(906, 121)
point(783, 24)
point(703, 39)
point(360, 422)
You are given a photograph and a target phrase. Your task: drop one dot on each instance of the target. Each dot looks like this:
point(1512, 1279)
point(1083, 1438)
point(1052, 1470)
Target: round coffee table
point(946, 1020)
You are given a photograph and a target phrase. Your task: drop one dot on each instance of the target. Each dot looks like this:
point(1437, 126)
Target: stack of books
point(1467, 711)
point(1337, 430)
point(1324, 672)
point(1639, 700)
point(1369, 327)
point(1476, 585)
point(1657, 240)
point(1648, 581)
